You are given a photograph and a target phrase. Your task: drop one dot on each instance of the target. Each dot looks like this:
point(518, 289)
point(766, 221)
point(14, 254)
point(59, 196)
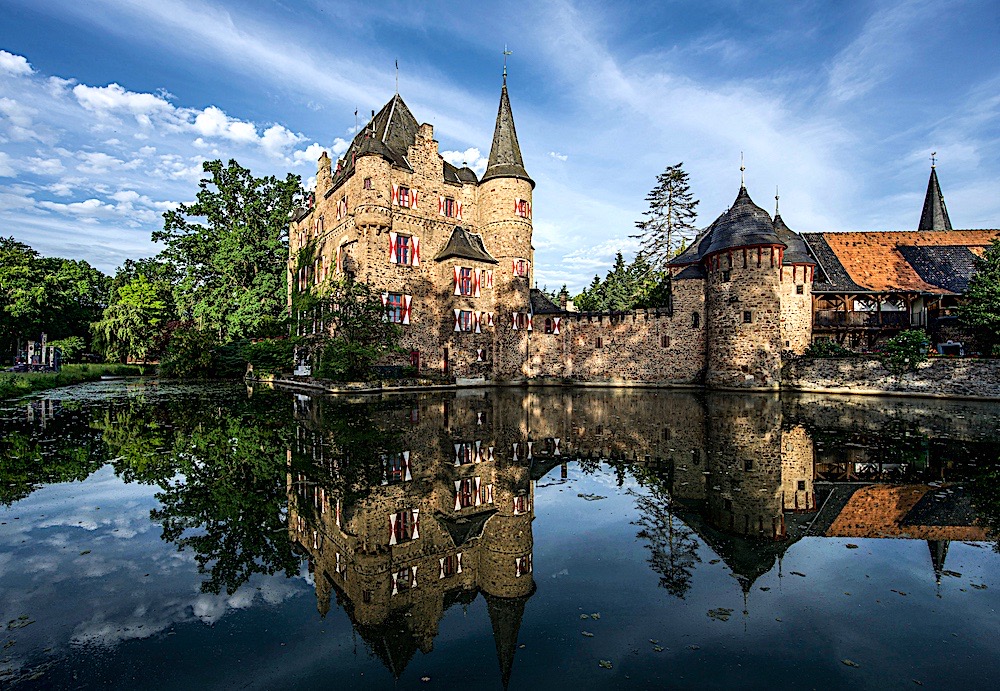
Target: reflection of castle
point(447, 515)
point(451, 519)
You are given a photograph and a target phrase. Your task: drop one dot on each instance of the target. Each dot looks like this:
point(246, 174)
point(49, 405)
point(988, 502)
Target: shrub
point(827, 349)
point(905, 351)
point(188, 354)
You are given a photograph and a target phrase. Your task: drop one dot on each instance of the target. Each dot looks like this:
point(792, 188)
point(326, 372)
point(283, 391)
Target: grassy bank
point(20, 383)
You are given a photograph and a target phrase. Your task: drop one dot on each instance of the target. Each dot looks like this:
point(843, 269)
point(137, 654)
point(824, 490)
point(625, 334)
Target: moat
point(159, 535)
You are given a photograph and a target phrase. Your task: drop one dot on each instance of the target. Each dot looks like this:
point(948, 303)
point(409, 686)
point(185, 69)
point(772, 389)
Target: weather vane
point(742, 169)
point(776, 200)
point(505, 54)
point(933, 159)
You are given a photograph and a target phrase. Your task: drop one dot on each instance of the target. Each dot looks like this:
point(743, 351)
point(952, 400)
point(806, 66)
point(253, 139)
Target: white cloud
point(277, 139)
point(16, 65)
point(308, 156)
point(6, 168)
point(471, 157)
point(114, 99)
point(558, 156)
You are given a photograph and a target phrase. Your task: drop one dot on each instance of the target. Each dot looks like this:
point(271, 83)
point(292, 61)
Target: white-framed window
point(404, 249)
point(520, 268)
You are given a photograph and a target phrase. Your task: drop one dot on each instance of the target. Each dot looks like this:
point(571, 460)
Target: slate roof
point(389, 134)
point(542, 304)
point(465, 245)
point(744, 224)
point(935, 214)
point(949, 267)
point(505, 154)
point(903, 261)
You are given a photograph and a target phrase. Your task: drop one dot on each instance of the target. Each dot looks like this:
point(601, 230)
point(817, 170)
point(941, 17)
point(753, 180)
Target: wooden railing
point(839, 318)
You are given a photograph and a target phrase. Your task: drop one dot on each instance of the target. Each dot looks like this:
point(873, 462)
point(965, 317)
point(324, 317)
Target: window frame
point(394, 311)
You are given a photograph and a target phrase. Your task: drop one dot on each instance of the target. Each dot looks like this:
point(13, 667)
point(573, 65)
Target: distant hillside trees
point(633, 286)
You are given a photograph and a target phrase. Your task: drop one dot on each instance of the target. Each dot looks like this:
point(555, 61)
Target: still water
point(172, 536)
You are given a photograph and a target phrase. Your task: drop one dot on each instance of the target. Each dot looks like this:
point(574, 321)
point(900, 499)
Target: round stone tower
point(743, 265)
point(505, 223)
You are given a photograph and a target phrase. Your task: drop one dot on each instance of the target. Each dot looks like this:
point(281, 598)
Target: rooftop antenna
point(397, 76)
point(776, 200)
point(933, 159)
point(742, 169)
point(505, 54)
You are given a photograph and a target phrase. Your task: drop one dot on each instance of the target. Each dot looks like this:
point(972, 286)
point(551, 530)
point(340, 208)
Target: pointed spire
point(935, 213)
point(743, 182)
point(505, 154)
point(505, 616)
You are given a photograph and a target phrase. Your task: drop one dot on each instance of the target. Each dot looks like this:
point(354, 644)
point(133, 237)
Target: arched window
point(695, 320)
point(548, 326)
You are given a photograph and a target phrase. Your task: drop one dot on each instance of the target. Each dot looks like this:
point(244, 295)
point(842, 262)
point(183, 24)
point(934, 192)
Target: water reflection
point(404, 507)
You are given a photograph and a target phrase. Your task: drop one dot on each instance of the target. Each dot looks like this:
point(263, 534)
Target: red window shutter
point(415, 241)
point(479, 499)
point(406, 464)
point(555, 325)
point(530, 317)
point(458, 286)
point(477, 278)
point(489, 319)
point(395, 195)
point(414, 536)
point(392, 528)
point(528, 205)
point(458, 495)
point(407, 300)
point(458, 210)
point(475, 319)
point(479, 354)
point(513, 321)
point(513, 266)
point(458, 318)
point(413, 198)
point(440, 206)
point(441, 569)
point(392, 248)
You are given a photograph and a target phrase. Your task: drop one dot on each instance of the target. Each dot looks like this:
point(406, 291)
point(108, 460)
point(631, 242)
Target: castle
point(451, 255)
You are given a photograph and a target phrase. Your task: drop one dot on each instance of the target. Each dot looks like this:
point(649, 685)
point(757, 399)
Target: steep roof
point(744, 224)
point(796, 251)
point(505, 154)
point(937, 262)
point(935, 214)
point(541, 304)
point(389, 134)
point(465, 245)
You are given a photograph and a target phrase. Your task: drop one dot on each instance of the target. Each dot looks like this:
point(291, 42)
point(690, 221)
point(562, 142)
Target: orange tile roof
point(878, 510)
point(873, 261)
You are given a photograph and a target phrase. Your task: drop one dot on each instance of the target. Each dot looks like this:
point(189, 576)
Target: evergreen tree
point(981, 310)
point(669, 221)
point(618, 286)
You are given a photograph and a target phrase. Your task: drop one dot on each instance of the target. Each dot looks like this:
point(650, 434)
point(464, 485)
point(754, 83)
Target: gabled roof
point(927, 261)
point(389, 134)
point(505, 154)
point(541, 304)
point(935, 214)
point(465, 245)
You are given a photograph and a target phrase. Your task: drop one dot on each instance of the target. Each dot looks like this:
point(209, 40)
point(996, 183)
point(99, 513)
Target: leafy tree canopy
point(229, 250)
point(980, 311)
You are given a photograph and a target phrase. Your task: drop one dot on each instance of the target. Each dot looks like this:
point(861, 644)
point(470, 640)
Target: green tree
point(980, 311)
point(669, 220)
point(231, 261)
point(133, 324)
point(354, 333)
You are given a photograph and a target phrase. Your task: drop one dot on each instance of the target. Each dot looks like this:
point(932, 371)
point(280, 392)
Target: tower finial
point(397, 76)
point(505, 54)
point(934, 159)
point(776, 197)
point(742, 169)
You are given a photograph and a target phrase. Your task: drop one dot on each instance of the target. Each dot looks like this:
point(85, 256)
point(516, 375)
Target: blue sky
point(107, 107)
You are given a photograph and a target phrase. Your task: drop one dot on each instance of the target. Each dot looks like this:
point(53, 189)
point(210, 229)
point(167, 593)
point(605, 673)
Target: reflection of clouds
point(129, 585)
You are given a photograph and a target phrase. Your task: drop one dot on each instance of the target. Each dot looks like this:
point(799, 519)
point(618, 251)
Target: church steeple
point(505, 154)
point(935, 213)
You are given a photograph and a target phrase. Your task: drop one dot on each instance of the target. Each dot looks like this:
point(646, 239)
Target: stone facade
point(453, 258)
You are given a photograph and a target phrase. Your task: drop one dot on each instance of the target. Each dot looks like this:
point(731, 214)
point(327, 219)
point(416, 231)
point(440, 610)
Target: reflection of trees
point(672, 545)
point(65, 451)
point(221, 462)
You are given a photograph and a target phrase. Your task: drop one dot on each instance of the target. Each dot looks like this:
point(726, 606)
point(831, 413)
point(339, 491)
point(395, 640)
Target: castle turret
point(743, 266)
point(505, 222)
point(935, 213)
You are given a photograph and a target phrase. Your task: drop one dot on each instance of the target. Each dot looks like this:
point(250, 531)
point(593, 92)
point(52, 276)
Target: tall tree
point(980, 311)
point(669, 220)
point(231, 260)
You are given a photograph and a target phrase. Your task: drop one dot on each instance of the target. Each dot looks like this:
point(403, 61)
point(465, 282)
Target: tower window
point(748, 465)
point(368, 183)
point(465, 281)
point(600, 342)
point(394, 308)
point(799, 289)
point(664, 341)
point(520, 267)
point(449, 207)
point(801, 485)
point(747, 317)
point(726, 276)
point(695, 320)
point(548, 326)
point(522, 207)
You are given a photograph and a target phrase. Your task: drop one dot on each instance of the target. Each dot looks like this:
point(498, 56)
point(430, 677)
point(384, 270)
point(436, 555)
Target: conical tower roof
point(505, 154)
point(744, 225)
point(935, 213)
point(505, 616)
